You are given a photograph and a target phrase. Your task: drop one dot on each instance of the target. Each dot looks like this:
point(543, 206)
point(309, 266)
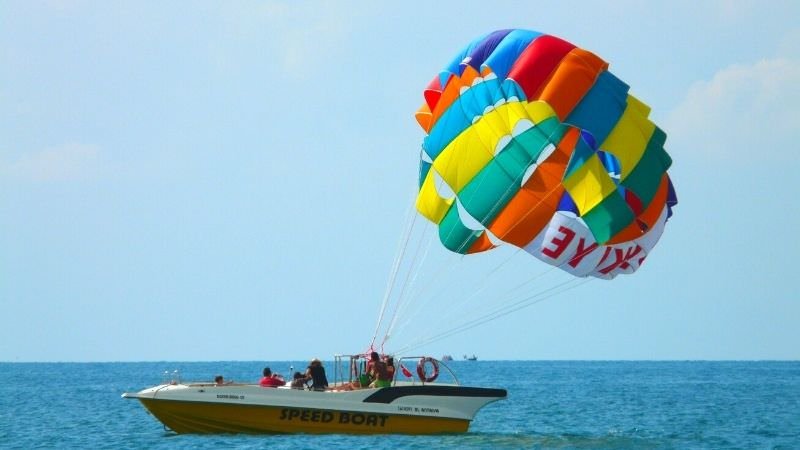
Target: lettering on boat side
point(232, 397)
point(316, 415)
point(418, 410)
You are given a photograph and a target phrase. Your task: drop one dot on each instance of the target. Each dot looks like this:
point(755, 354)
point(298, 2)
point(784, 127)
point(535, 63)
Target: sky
point(208, 181)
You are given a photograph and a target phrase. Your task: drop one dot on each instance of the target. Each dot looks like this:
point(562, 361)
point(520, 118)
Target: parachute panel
point(628, 140)
point(589, 184)
point(507, 52)
point(573, 77)
point(600, 109)
point(430, 204)
point(645, 178)
point(535, 203)
point(537, 62)
point(608, 217)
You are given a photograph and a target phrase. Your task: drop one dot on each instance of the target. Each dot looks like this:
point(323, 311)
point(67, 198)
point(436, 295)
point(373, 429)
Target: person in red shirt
point(271, 379)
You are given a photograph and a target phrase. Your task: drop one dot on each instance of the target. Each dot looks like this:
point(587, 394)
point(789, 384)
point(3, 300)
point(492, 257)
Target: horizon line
point(455, 360)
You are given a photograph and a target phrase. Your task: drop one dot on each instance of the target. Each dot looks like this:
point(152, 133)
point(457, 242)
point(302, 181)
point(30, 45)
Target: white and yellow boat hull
point(403, 408)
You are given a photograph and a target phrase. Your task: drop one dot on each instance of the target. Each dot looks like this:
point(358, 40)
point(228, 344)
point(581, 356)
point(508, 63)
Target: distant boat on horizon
point(471, 358)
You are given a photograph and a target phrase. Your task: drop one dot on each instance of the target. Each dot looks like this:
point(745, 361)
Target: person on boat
point(316, 373)
point(298, 381)
point(220, 381)
point(377, 371)
point(372, 358)
point(271, 379)
point(390, 367)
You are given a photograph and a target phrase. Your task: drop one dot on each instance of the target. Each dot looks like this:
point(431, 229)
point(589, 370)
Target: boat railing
point(349, 369)
point(438, 365)
point(171, 378)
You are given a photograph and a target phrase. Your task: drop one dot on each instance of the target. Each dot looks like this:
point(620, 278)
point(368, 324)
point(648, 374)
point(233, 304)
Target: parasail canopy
point(531, 141)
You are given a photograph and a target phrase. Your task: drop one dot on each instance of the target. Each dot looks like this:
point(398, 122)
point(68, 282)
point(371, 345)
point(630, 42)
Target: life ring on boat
point(422, 373)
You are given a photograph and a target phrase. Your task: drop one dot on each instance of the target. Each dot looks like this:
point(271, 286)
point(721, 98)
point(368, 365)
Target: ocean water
point(551, 404)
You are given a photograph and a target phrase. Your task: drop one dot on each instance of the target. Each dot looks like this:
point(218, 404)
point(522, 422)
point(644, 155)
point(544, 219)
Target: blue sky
point(229, 180)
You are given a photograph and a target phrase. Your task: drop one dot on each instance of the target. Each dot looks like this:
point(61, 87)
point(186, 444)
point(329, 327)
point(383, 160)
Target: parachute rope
point(502, 308)
point(482, 286)
point(495, 206)
point(503, 305)
point(459, 314)
point(411, 218)
point(415, 268)
point(400, 304)
point(498, 313)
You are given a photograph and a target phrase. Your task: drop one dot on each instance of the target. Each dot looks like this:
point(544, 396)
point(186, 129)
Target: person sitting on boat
point(372, 358)
point(316, 373)
point(390, 367)
point(271, 379)
point(377, 371)
point(220, 381)
point(298, 381)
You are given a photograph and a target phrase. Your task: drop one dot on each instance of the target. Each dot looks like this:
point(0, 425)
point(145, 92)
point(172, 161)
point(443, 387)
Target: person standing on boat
point(377, 371)
point(271, 379)
point(316, 373)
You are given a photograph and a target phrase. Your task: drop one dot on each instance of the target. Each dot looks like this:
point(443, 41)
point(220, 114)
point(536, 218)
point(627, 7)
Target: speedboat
point(420, 406)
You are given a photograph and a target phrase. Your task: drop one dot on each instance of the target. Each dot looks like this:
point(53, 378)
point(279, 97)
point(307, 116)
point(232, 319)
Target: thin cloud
point(735, 10)
point(743, 108)
point(63, 163)
point(297, 35)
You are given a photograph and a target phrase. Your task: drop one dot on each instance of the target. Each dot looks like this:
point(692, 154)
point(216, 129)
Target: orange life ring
point(421, 372)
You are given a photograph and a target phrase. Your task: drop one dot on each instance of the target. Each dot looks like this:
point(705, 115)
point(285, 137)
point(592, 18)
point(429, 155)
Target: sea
point(550, 404)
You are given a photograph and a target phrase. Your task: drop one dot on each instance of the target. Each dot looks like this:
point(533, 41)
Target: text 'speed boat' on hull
point(404, 407)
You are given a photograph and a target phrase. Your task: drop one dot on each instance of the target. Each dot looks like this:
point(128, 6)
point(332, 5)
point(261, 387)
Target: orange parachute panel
point(424, 117)
point(571, 80)
point(533, 206)
point(481, 244)
point(450, 94)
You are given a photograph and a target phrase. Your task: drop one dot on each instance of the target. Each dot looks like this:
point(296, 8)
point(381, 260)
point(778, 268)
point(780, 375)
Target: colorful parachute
point(531, 141)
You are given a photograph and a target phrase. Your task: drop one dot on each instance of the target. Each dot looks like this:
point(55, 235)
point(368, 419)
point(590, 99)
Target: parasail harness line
point(482, 283)
point(499, 312)
point(410, 278)
point(462, 319)
point(411, 217)
point(403, 301)
point(483, 286)
point(463, 324)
